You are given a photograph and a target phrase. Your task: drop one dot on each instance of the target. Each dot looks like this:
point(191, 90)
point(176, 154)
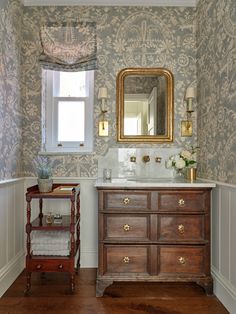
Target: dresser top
point(153, 182)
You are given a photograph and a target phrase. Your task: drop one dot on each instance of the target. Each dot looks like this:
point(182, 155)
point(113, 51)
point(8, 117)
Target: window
point(67, 111)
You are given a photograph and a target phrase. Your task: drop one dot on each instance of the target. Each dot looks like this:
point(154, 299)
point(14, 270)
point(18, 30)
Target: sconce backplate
point(186, 128)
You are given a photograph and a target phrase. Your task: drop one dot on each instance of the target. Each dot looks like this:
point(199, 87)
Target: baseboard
point(11, 271)
point(224, 291)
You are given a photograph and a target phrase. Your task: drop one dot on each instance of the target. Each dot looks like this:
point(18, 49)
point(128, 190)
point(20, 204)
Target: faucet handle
point(158, 159)
point(132, 159)
point(146, 158)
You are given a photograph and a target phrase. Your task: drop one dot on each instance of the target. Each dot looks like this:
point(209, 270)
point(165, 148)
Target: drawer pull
point(181, 202)
point(182, 260)
point(126, 227)
point(126, 200)
point(38, 266)
point(126, 259)
point(181, 229)
point(60, 266)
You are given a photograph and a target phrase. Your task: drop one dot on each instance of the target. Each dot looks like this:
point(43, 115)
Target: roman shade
point(69, 46)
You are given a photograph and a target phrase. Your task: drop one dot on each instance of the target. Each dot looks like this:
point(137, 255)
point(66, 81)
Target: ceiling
point(185, 3)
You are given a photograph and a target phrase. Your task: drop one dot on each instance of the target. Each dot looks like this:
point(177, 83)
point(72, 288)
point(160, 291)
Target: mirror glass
point(145, 105)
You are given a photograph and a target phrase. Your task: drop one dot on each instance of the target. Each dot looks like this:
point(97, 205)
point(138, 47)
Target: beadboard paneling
point(223, 244)
point(88, 215)
point(11, 231)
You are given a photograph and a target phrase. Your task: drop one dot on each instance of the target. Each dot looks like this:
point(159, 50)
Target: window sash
point(51, 115)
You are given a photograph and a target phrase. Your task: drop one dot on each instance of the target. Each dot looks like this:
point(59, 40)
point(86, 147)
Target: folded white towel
point(52, 253)
point(52, 237)
point(50, 247)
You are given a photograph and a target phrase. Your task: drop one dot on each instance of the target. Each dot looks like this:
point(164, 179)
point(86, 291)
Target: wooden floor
point(49, 296)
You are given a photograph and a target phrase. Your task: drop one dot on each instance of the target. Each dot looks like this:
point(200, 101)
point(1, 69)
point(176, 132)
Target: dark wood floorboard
point(49, 295)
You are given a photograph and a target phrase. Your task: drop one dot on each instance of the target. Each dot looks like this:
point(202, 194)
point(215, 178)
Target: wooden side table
point(69, 223)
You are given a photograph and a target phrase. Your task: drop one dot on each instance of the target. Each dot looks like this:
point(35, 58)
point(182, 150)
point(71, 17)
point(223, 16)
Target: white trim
point(11, 271)
point(8, 181)
point(155, 3)
point(64, 179)
point(224, 290)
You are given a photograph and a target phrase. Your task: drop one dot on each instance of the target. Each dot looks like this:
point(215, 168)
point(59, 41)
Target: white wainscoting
point(13, 219)
point(224, 244)
point(11, 232)
point(88, 215)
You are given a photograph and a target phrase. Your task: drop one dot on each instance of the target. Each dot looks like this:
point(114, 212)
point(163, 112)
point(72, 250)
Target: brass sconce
point(187, 125)
point(103, 124)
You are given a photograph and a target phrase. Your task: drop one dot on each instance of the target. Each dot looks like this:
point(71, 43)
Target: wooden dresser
point(155, 235)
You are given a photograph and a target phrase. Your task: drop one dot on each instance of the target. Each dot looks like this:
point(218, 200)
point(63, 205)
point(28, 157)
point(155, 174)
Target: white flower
point(186, 154)
point(180, 164)
point(186, 158)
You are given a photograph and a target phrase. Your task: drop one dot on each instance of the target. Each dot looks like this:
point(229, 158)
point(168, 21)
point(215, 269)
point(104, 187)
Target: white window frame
point(50, 144)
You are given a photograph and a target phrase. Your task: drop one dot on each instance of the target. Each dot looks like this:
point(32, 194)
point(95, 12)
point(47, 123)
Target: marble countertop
point(152, 182)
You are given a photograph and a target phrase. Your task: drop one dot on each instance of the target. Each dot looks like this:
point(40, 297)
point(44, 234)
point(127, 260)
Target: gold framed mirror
point(145, 105)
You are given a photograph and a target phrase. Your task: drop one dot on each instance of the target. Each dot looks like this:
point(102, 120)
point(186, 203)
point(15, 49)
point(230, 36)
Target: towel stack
point(56, 243)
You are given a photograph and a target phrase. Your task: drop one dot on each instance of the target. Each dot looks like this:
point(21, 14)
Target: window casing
point(67, 112)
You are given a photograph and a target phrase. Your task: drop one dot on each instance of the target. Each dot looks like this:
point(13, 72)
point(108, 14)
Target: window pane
point(72, 84)
point(70, 121)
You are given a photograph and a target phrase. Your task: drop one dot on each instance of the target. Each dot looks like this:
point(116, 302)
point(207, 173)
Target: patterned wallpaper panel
point(126, 37)
point(10, 97)
point(216, 71)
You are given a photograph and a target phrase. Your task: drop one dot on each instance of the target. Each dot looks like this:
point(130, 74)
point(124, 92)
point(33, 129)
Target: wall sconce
point(187, 125)
point(103, 125)
point(189, 96)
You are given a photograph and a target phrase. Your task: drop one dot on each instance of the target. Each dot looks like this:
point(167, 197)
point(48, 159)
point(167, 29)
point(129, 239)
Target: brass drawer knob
point(60, 266)
point(126, 227)
point(181, 229)
point(182, 260)
point(126, 259)
point(126, 200)
point(38, 266)
point(181, 202)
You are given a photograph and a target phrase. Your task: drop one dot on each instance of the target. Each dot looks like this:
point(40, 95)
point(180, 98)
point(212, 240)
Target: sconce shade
point(102, 93)
point(190, 92)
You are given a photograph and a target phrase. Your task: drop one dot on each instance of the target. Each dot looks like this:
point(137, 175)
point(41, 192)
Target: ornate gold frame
point(168, 137)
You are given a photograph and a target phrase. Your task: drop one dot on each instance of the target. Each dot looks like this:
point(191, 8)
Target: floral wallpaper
point(10, 96)
point(126, 37)
point(216, 72)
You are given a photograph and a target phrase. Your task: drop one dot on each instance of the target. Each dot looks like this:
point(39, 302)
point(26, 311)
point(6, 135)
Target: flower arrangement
point(185, 159)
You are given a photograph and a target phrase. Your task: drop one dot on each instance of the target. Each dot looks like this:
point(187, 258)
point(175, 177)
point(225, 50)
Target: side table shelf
point(55, 261)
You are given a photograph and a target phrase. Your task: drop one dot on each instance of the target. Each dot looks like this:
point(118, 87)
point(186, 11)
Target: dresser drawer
point(182, 260)
point(126, 227)
point(126, 200)
point(181, 227)
point(183, 201)
point(49, 265)
point(125, 259)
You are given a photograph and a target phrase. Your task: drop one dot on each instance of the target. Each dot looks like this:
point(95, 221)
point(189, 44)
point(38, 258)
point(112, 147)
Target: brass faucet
point(146, 158)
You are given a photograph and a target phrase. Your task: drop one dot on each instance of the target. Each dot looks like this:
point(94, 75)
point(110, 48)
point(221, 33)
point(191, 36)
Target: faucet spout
point(146, 158)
